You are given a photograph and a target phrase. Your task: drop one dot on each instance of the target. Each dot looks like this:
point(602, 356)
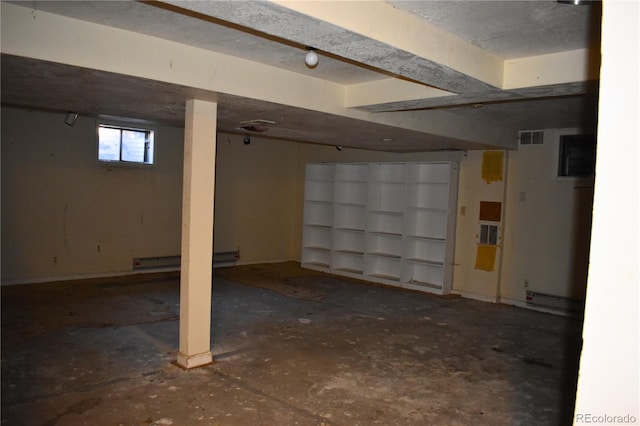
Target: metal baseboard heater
point(556, 303)
point(225, 258)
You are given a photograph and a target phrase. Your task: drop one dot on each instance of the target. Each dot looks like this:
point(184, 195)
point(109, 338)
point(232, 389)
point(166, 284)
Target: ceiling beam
point(373, 33)
point(569, 73)
point(389, 91)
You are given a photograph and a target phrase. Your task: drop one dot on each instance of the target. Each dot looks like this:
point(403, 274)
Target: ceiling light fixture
point(311, 59)
point(70, 119)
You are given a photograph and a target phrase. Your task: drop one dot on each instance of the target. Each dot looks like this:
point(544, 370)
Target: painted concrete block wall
point(548, 221)
point(256, 199)
point(65, 215)
point(469, 281)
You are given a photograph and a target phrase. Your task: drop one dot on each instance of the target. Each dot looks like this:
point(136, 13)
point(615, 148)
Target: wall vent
point(531, 137)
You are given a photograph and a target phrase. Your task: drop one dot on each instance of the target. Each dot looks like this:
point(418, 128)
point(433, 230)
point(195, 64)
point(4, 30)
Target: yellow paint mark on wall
point(485, 257)
point(492, 166)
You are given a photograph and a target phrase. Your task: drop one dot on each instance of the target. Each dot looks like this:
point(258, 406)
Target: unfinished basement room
point(280, 212)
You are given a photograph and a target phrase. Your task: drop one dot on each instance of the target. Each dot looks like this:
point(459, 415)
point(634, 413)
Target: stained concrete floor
point(297, 348)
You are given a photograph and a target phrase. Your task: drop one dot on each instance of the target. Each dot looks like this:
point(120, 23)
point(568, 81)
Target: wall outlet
point(526, 283)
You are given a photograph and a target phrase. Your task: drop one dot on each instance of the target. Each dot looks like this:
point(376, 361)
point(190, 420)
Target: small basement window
point(577, 155)
point(117, 144)
point(488, 234)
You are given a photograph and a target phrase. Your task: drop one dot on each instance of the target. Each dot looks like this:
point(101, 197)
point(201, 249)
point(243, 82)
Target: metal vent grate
point(531, 137)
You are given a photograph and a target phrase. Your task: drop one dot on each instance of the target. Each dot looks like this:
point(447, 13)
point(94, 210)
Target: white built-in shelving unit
point(392, 223)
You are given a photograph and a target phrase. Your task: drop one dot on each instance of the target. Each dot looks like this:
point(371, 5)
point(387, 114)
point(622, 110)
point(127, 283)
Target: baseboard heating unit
point(226, 258)
point(565, 305)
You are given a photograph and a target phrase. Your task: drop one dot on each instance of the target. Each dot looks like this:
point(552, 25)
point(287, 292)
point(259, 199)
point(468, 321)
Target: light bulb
point(311, 59)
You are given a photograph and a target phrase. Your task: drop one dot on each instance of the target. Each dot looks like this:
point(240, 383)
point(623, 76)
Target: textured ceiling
point(512, 29)
point(506, 29)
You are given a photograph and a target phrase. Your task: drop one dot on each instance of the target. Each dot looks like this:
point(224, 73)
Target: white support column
point(197, 233)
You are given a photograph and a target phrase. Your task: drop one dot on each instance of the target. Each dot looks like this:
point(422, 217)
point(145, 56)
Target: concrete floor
point(311, 350)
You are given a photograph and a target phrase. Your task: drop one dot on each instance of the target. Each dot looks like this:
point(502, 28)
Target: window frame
point(126, 124)
point(581, 180)
point(491, 238)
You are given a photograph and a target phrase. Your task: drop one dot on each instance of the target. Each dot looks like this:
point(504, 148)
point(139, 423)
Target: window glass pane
point(577, 155)
point(484, 234)
point(493, 235)
point(537, 138)
point(108, 144)
point(133, 145)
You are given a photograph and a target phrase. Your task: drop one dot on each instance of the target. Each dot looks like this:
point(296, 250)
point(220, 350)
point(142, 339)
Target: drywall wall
point(548, 220)
point(65, 215)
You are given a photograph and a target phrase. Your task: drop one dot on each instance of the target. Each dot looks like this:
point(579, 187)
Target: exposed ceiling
point(273, 34)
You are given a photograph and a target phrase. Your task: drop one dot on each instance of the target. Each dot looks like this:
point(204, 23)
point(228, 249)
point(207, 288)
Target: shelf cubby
point(429, 172)
point(428, 195)
point(388, 172)
point(382, 267)
point(384, 223)
point(349, 216)
point(356, 172)
point(423, 274)
point(387, 197)
point(426, 223)
point(348, 241)
point(425, 250)
point(317, 190)
point(317, 237)
point(318, 213)
point(347, 262)
point(350, 192)
point(316, 257)
point(384, 245)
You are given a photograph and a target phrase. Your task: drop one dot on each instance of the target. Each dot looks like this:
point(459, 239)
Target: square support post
point(197, 233)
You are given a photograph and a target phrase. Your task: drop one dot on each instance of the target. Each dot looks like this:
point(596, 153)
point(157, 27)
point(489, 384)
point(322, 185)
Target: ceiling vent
point(256, 125)
point(531, 137)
